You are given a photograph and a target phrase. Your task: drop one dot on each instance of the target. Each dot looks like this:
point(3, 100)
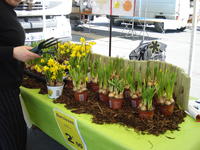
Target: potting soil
point(102, 114)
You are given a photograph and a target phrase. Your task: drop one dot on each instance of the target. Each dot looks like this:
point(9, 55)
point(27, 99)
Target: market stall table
point(78, 132)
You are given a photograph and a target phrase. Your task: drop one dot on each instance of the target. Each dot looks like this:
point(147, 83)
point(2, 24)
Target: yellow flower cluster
point(67, 53)
point(53, 70)
point(64, 49)
point(82, 49)
point(38, 68)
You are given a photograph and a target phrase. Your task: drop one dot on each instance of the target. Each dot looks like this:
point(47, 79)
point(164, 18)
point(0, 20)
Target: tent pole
point(110, 35)
point(44, 19)
point(193, 38)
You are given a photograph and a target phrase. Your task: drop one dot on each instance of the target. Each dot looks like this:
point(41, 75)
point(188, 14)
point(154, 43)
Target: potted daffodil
point(146, 109)
point(54, 73)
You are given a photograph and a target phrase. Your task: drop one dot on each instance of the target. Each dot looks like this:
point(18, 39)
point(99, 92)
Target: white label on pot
point(81, 97)
point(133, 103)
point(58, 93)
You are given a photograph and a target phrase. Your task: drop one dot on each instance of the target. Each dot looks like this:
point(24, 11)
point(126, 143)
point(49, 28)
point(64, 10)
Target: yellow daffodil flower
point(59, 44)
point(78, 55)
point(45, 68)
point(53, 77)
point(92, 43)
point(86, 79)
point(68, 67)
point(82, 49)
point(67, 50)
point(37, 68)
point(66, 62)
point(63, 67)
point(50, 62)
point(62, 52)
point(42, 60)
point(82, 39)
point(73, 54)
point(62, 46)
point(83, 54)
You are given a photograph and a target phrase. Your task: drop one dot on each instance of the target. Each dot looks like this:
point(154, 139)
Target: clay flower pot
point(81, 96)
point(115, 103)
point(103, 97)
point(94, 87)
point(167, 110)
point(135, 102)
point(147, 114)
point(126, 94)
point(55, 91)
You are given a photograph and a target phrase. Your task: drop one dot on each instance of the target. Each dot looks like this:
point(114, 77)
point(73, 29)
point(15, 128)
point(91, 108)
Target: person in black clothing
point(12, 55)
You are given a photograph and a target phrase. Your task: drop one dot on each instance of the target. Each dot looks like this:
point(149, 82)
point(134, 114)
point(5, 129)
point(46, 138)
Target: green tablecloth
point(107, 137)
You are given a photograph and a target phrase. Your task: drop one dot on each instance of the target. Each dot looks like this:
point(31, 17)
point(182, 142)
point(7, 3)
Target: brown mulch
point(34, 84)
point(126, 116)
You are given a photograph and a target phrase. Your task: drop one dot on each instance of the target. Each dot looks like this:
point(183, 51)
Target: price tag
point(69, 129)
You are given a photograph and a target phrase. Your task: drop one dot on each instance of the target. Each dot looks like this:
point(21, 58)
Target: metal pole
point(140, 8)
point(44, 19)
point(110, 35)
point(144, 26)
point(193, 37)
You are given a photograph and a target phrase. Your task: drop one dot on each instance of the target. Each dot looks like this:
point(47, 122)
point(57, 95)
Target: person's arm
point(20, 53)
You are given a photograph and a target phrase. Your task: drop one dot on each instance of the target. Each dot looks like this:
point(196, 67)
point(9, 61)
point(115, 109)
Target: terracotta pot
point(115, 103)
point(126, 94)
point(81, 96)
point(135, 102)
point(167, 110)
point(103, 97)
point(94, 87)
point(146, 114)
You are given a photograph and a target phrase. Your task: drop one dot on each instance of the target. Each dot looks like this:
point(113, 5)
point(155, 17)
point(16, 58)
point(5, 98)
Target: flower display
point(54, 71)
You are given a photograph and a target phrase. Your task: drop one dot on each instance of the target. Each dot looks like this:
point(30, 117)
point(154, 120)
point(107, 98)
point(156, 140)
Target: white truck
point(42, 19)
point(163, 14)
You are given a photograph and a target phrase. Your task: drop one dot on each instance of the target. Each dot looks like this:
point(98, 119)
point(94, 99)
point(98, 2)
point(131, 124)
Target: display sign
point(123, 7)
point(101, 7)
point(113, 7)
point(69, 129)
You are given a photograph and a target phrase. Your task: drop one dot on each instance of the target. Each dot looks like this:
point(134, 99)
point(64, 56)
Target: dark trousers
point(13, 130)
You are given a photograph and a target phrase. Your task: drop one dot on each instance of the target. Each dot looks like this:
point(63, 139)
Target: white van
point(31, 14)
point(164, 14)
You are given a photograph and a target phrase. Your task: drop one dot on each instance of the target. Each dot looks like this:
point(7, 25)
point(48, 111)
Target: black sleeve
point(6, 52)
